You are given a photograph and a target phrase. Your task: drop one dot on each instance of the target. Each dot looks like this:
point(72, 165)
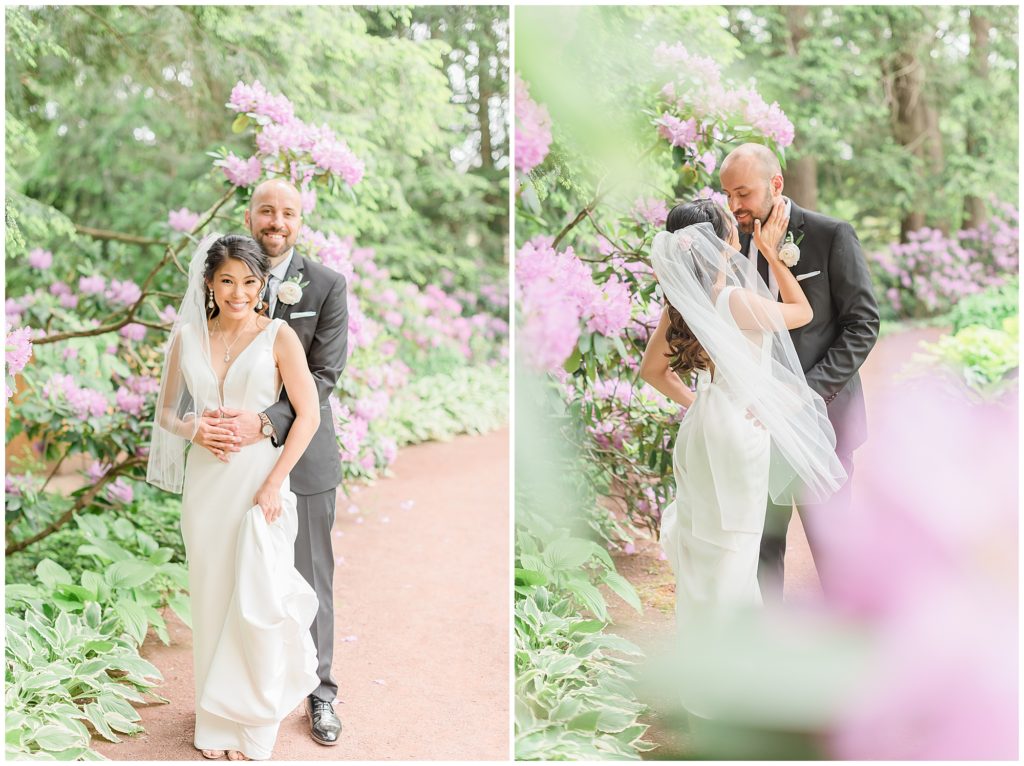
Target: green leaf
point(590, 597)
point(624, 589)
point(585, 721)
point(133, 619)
point(51, 573)
point(573, 362)
point(587, 626)
point(53, 737)
point(130, 574)
point(240, 124)
point(97, 718)
point(568, 553)
point(181, 605)
point(529, 577)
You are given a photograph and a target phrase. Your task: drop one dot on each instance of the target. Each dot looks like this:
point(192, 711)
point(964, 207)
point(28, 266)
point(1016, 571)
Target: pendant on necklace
point(227, 357)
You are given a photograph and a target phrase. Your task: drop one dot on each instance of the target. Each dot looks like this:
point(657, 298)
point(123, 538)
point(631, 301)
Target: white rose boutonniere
point(290, 291)
point(789, 253)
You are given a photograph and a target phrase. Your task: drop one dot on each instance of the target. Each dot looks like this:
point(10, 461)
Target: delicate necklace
point(227, 346)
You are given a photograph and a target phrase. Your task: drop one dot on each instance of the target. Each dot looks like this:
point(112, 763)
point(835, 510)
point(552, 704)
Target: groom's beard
point(274, 247)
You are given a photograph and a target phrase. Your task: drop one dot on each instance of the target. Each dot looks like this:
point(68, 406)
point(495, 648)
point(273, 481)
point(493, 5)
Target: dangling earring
point(259, 305)
point(209, 302)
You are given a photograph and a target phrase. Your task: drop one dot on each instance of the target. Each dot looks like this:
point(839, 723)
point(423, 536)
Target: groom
point(314, 304)
point(834, 276)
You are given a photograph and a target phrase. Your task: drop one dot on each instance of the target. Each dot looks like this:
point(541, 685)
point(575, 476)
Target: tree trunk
point(801, 175)
point(802, 181)
point(915, 127)
point(975, 213)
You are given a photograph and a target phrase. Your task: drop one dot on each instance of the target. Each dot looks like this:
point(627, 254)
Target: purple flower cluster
point(930, 272)
point(40, 259)
point(533, 130)
point(85, 403)
point(18, 350)
point(281, 137)
point(182, 220)
point(652, 211)
point(241, 172)
point(555, 291)
point(133, 331)
point(121, 293)
point(698, 103)
point(256, 100)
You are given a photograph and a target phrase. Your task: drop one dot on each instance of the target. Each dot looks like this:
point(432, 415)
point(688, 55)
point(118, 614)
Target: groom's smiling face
point(751, 189)
point(274, 217)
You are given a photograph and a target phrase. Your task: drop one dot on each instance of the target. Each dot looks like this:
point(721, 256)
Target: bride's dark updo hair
point(685, 352)
point(244, 249)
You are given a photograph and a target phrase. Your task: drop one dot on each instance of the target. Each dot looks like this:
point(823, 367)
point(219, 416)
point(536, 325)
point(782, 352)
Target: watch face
point(268, 430)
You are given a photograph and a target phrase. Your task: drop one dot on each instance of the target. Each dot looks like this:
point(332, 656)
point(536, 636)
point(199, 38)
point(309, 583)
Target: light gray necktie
point(273, 285)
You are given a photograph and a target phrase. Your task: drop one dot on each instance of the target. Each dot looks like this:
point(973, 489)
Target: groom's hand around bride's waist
point(218, 435)
point(246, 425)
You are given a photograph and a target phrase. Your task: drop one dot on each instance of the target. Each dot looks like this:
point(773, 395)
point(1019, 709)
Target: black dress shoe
point(324, 726)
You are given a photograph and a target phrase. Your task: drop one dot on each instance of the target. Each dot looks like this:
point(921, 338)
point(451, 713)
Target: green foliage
point(988, 309)
point(984, 358)
point(470, 400)
point(574, 698)
point(73, 639)
point(111, 108)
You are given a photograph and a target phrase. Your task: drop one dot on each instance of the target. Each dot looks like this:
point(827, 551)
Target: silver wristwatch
point(267, 428)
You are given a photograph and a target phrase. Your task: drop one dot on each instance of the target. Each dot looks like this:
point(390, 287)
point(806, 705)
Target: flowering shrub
point(931, 273)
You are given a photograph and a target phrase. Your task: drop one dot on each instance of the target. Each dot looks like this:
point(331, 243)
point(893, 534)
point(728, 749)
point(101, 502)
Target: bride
point(251, 610)
point(753, 429)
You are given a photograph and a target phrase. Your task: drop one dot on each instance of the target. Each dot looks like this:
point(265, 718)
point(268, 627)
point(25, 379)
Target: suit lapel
point(796, 221)
point(295, 269)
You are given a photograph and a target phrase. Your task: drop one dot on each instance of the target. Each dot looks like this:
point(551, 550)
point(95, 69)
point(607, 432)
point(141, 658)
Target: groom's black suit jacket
point(835, 343)
point(320, 319)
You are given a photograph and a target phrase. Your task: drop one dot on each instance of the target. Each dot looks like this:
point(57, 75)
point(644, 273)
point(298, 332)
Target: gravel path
point(421, 621)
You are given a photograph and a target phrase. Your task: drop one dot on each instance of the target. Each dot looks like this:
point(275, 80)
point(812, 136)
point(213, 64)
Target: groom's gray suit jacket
point(320, 319)
point(835, 343)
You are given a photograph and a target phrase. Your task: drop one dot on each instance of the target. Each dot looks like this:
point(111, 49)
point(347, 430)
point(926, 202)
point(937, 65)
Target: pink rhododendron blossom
point(120, 491)
point(677, 132)
point(124, 293)
point(94, 285)
point(334, 156)
point(133, 331)
point(699, 69)
point(709, 161)
point(609, 309)
point(182, 220)
point(532, 130)
point(168, 314)
point(255, 99)
point(935, 586)
point(40, 259)
point(241, 172)
point(60, 288)
point(651, 210)
point(68, 301)
point(18, 349)
point(129, 402)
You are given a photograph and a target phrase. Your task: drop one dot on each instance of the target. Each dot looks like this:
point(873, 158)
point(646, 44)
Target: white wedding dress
point(251, 609)
point(711, 533)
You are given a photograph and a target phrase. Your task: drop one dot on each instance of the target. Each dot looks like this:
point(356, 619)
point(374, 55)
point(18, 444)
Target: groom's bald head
point(757, 157)
point(751, 179)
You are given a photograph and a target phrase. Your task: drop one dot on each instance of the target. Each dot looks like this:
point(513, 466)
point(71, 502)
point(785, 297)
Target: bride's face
point(235, 289)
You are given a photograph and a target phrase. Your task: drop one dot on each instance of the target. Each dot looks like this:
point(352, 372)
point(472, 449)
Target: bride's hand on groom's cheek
point(216, 435)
